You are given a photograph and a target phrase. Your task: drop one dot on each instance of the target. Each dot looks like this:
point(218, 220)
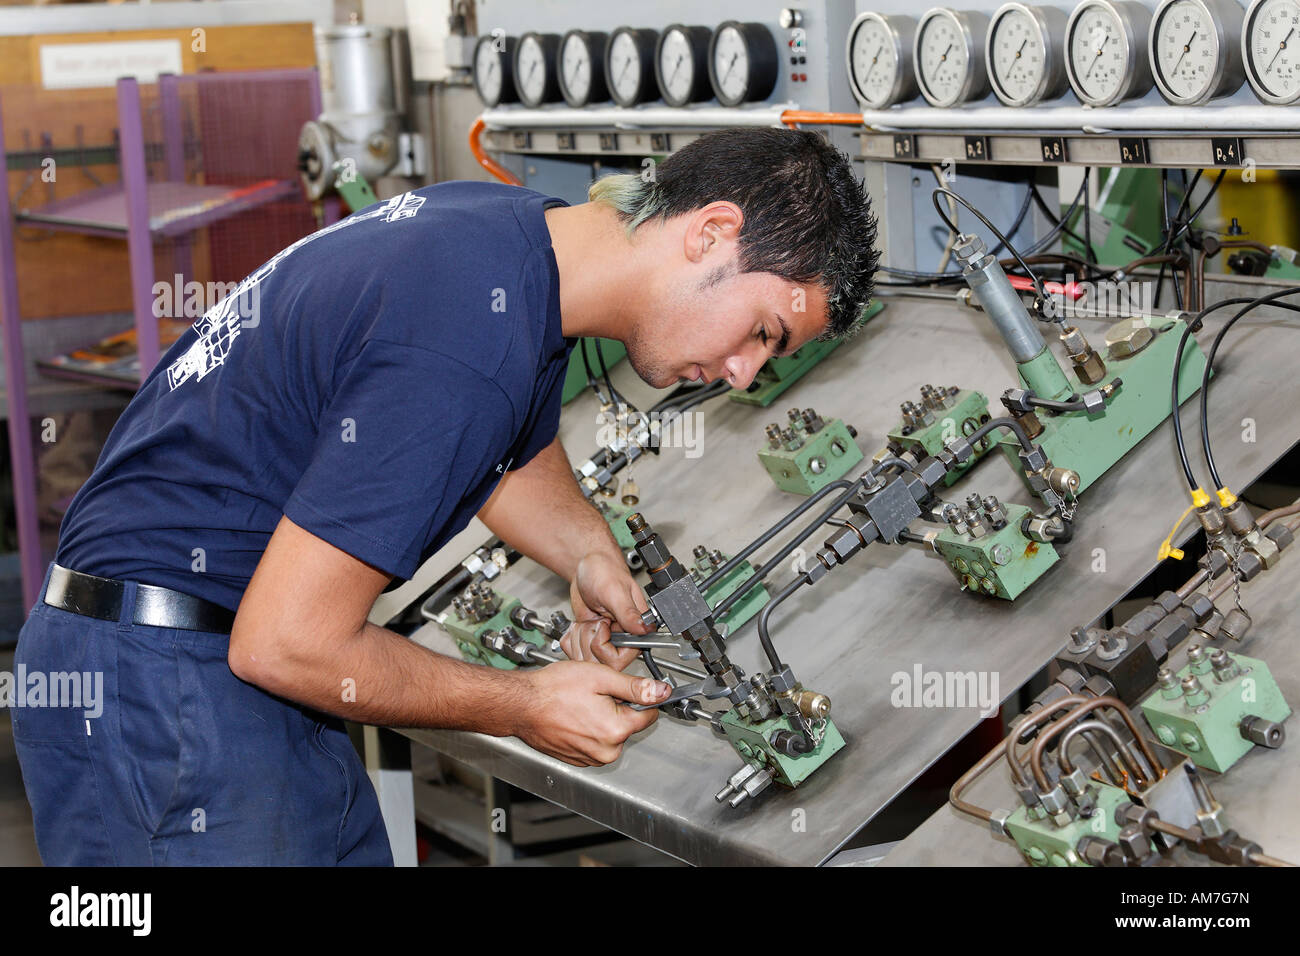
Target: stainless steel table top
point(1258, 792)
point(890, 609)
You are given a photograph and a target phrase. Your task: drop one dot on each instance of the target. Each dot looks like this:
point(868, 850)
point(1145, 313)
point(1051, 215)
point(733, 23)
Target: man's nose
point(740, 370)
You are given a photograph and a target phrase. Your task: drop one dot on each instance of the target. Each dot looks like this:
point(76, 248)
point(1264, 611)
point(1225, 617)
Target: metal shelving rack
point(140, 212)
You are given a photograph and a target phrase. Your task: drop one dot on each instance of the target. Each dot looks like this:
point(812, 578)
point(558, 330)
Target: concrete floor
point(17, 841)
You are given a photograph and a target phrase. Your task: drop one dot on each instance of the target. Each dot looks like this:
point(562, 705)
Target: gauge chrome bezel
point(1051, 30)
point(1257, 84)
point(902, 31)
point(1135, 23)
point(976, 84)
point(1228, 74)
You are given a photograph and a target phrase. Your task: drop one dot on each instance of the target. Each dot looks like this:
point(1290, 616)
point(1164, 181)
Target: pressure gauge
point(1105, 51)
point(535, 68)
point(949, 56)
point(879, 57)
point(742, 62)
point(630, 65)
point(494, 56)
point(681, 65)
point(1195, 49)
point(1269, 45)
point(1023, 53)
point(582, 68)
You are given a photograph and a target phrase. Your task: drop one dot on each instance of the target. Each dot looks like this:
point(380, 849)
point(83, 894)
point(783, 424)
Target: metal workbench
point(1258, 792)
point(890, 608)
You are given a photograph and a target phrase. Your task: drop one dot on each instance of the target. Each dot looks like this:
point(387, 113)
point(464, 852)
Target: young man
point(328, 426)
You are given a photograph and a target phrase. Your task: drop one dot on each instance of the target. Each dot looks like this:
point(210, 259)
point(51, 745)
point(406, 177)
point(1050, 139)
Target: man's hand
point(602, 592)
point(574, 714)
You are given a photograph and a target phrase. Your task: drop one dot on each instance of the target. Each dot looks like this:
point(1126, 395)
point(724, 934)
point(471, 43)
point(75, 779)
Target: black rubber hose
point(1209, 362)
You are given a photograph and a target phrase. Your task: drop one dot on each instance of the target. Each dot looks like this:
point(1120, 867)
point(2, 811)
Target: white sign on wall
point(66, 66)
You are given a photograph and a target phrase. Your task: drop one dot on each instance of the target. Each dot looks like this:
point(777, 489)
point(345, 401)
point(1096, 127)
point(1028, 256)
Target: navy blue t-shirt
point(372, 383)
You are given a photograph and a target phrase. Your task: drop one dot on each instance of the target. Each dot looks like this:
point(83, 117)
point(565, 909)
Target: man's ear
point(712, 227)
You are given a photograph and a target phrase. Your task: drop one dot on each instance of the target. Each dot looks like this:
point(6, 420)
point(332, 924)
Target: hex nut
point(1128, 337)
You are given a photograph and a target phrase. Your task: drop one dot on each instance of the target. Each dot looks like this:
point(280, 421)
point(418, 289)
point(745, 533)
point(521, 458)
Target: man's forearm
point(379, 677)
point(540, 511)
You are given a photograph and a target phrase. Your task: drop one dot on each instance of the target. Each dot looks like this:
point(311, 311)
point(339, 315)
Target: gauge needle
point(1280, 47)
point(875, 59)
point(734, 57)
point(945, 54)
point(573, 74)
point(1186, 47)
point(626, 64)
point(676, 66)
point(1096, 58)
point(1018, 52)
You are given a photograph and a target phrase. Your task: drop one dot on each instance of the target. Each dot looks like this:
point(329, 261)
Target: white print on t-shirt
point(220, 325)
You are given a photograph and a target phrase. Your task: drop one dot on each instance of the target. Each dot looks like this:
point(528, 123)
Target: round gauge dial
point(494, 81)
point(1195, 49)
point(681, 65)
point(1105, 57)
point(949, 56)
point(1270, 46)
point(630, 65)
point(536, 74)
point(1022, 52)
point(879, 57)
point(582, 68)
point(742, 62)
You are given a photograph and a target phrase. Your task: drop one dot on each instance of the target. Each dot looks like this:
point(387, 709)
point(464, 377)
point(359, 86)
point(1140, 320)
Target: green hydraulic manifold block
point(778, 374)
point(352, 186)
point(809, 454)
point(706, 562)
point(942, 414)
point(1043, 843)
point(478, 609)
point(575, 376)
point(1091, 444)
point(1204, 719)
point(1001, 561)
point(752, 740)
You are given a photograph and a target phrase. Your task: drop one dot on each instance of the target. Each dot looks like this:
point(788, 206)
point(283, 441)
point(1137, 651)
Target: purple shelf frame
point(118, 211)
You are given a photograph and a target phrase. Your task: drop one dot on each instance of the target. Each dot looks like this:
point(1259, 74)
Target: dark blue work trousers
point(185, 763)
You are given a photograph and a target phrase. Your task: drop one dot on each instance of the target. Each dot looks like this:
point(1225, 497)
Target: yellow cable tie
point(1167, 550)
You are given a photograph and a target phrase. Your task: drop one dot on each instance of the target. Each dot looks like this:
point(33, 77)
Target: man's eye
point(762, 336)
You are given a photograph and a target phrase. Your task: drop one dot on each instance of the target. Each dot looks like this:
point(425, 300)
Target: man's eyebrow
point(784, 342)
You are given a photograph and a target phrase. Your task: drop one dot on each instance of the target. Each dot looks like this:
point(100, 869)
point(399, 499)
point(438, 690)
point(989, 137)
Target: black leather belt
point(101, 598)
